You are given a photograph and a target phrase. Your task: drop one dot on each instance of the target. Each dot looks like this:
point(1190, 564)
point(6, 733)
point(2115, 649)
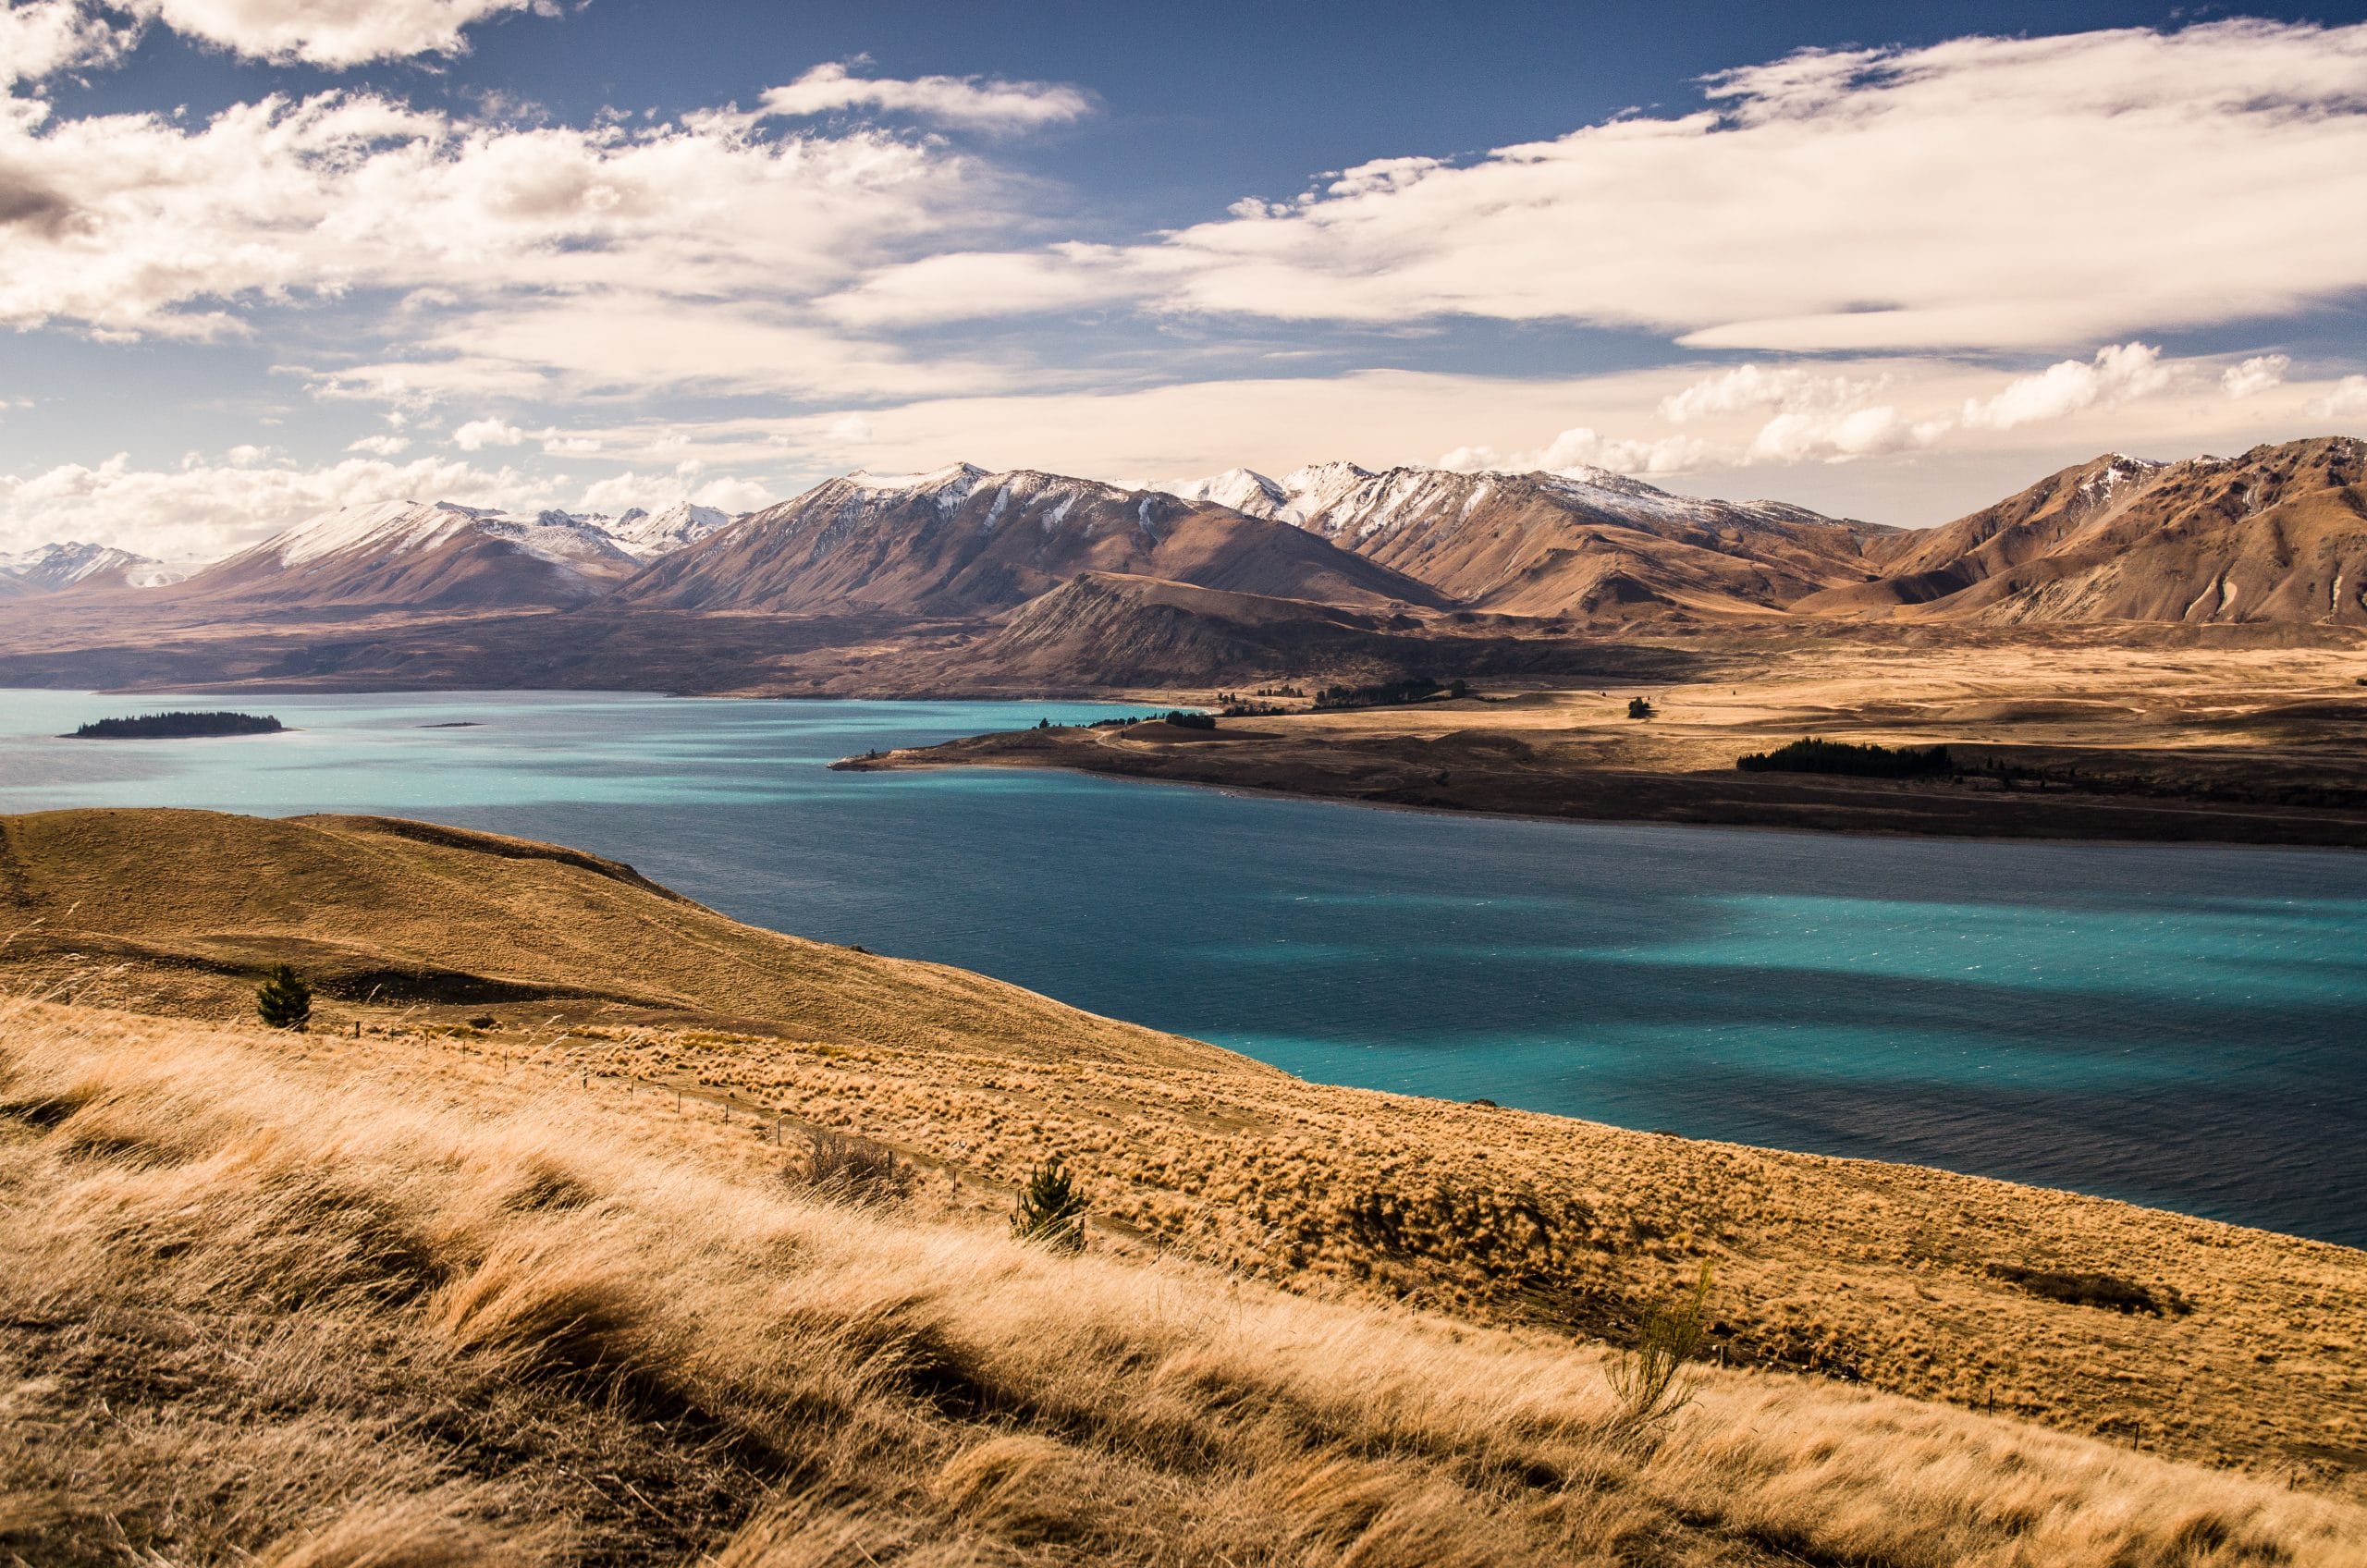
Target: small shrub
point(1649, 1378)
point(1051, 1208)
point(284, 1001)
point(856, 1171)
point(1638, 707)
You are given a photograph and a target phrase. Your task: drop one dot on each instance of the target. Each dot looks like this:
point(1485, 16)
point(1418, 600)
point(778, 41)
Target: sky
point(260, 259)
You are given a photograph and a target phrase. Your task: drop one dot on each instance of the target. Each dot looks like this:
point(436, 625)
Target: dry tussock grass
point(284, 1311)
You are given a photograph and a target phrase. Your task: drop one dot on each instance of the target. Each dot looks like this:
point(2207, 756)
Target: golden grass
point(1895, 1276)
point(264, 1304)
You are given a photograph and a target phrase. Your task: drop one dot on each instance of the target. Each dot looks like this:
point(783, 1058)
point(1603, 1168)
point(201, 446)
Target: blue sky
point(270, 256)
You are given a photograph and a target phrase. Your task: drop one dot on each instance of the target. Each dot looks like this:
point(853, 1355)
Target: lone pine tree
point(284, 1001)
point(1051, 1208)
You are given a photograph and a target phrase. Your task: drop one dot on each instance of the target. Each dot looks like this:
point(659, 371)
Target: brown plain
point(2229, 738)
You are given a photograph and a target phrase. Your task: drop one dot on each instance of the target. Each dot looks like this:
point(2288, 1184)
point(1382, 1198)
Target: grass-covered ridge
point(345, 1303)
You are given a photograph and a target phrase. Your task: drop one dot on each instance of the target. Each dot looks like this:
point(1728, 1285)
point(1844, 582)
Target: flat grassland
point(469, 976)
point(2066, 735)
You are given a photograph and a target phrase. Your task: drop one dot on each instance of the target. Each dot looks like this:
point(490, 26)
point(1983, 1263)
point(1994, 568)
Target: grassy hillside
point(184, 907)
point(312, 1301)
point(560, 1125)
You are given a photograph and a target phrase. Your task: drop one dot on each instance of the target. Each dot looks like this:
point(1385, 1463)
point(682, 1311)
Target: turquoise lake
point(2176, 1026)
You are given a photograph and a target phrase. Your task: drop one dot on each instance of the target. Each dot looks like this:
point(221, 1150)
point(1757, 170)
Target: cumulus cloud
point(969, 102)
point(1994, 193)
point(201, 511)
point(655, 491)
point(45, 37)
point(562, 238)
point(331, 32)
point(1840, 438)
point(2255, 376)
point(2348, 400)
point(1785, 389)
point(479, 434)
point(380, 445)
point(1581, 448)
point(2115, 376)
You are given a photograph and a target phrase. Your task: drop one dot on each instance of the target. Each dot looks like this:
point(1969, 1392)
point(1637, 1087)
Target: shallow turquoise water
point(2178, 1026)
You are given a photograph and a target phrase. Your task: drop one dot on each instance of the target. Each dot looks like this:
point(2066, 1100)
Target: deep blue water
point(2176, 1026)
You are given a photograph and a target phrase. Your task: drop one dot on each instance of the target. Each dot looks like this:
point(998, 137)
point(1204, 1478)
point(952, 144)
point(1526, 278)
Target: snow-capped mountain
point(651, 534)
point(1579, 541)
point(962, 541)
point(53, 568)
point(433, 554)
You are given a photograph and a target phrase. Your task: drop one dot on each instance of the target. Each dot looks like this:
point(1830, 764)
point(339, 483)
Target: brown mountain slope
point(435, 557)
point(1593, 545)
point(2276, 535)
point(407, 912)
point(962, 541)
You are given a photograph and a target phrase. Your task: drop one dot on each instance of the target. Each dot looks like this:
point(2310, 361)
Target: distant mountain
point(415, 556)
point(961, 541)
point(53, 568)
point(2276, 535)
point(651, 534)
point(1584, 543)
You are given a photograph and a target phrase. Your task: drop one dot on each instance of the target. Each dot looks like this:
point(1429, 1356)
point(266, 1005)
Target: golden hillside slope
point(2243, 1347)
point(411, 913)
point(329, 1302)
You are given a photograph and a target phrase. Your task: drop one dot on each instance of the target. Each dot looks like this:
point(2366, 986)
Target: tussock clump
point(851, 1169)
point(1021, 1486)
point(399, 1533)
point(550, 1302)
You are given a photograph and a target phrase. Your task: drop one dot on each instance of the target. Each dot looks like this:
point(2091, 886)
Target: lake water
point(2179, 1026)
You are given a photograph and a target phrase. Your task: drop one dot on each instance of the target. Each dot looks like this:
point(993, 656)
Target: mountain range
point(1022, 574)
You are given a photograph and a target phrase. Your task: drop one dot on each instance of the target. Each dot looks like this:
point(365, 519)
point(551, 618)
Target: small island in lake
point(177, 727)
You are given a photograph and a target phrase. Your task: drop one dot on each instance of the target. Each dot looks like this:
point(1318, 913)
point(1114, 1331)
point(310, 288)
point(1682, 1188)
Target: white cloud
point(655, 491)
point(2115, 375)
point(1580, 447)
point(852, 429)
point(1785, 389)
point(969, 285)
point(1988, 192)
point(2346, 399)
point(479, 434)
point(380, 445)
point(734, 494)
point(201, 511)
point(1840, 438)
point(45, 37)
point(137, 224)
point(2255, 376)
point(331, 32)
point(972, 102)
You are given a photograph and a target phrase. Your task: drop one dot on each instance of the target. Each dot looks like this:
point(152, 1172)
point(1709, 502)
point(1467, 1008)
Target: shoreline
point(1796, 803)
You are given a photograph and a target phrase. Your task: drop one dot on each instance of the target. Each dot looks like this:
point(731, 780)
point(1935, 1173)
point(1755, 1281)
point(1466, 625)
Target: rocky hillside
point(961, 541)
point(1587, 545)
point(2277, 535)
